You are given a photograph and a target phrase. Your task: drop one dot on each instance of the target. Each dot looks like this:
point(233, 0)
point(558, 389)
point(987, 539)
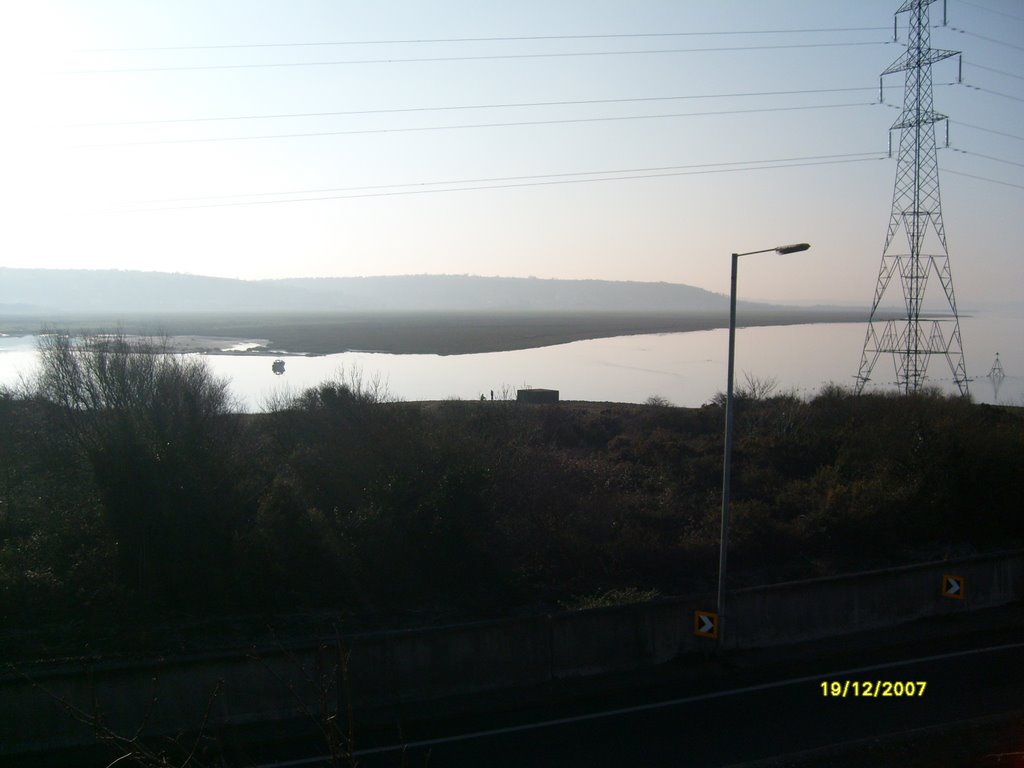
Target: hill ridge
point(107, 290)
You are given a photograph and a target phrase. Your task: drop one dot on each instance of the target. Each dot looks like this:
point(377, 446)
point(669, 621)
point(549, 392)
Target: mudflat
point(440, 333)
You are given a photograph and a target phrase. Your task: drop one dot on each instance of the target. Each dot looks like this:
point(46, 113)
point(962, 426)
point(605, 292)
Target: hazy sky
point(199, 108)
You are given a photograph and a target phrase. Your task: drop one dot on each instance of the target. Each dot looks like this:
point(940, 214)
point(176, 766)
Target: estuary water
point(687, 369)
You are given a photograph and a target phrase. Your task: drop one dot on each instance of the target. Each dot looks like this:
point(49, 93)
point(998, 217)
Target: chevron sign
point(705, 624)
point(953, 586)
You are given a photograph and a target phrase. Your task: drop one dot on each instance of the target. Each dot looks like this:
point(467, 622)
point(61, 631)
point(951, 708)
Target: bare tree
point(757, 387)
point(157, 431)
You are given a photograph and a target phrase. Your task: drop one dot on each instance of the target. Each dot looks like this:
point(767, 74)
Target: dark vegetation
point(133, 497)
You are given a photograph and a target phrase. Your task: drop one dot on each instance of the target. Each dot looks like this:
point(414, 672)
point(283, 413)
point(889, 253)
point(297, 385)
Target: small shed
point(537, 395)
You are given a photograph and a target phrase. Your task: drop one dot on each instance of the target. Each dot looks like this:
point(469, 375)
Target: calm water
point(686, 368)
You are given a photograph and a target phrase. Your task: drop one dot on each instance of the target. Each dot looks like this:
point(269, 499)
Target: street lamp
point(727, 462)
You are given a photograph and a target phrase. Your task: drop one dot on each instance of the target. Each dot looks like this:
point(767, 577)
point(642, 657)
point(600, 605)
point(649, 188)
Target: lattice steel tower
point(916, 210)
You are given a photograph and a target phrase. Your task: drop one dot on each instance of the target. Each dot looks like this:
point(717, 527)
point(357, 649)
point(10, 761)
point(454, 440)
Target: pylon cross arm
point(925, 118)
point(913, 60)
point(909, 5)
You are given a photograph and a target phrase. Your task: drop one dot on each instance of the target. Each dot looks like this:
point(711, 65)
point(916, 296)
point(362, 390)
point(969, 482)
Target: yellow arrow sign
point(953, 586)
point(705, 624)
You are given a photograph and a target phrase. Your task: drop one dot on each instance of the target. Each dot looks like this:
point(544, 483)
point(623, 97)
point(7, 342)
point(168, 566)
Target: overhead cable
point(583, 102)
point(987, 39)
point(983, 178)
point(986, 157)
point(505, 38)
point(991, 10)
point(992, 92)
point(485, 57)
point(605, 172)
point(988, 130)
point(993, 69)
point(416, 129)
point(498, 186)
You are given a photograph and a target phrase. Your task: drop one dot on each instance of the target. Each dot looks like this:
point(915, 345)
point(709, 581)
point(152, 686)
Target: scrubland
point(134, 501)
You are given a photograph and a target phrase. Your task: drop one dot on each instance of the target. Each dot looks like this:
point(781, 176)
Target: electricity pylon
point(916, 209)
point(996, 375)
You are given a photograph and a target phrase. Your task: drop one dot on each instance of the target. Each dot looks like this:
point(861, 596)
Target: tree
point(157, 432)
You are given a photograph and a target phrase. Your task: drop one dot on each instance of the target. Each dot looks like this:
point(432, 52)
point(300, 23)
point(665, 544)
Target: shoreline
point(453, 333)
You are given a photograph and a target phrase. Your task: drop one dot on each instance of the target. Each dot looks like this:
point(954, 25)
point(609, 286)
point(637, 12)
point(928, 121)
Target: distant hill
point(106, 290)
point(46, 291)
point(464, 292)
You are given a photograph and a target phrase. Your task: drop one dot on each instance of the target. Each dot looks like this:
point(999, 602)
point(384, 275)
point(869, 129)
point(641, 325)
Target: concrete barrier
point(383, 669)
point(819, 608)
point(416, 665)
point(68, 705)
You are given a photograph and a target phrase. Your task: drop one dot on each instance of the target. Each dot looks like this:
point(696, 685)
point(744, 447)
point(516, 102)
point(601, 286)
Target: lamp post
point(727, 462)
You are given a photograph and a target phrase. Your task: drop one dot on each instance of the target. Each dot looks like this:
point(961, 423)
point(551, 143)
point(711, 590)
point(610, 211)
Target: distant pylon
point(996, 376)
point(996, 371)
point(916, 209)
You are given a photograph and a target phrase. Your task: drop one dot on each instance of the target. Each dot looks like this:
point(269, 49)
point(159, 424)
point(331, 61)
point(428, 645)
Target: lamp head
point(795, 248)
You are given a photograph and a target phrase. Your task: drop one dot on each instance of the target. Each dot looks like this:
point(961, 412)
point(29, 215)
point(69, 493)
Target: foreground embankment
point(383, 676)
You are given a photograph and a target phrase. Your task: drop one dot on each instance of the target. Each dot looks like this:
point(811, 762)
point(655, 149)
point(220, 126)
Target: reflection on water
point(244, 346)
point(17, 359)
point(685, 368)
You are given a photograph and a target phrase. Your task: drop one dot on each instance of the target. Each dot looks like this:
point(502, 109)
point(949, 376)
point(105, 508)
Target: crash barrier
point(45, 706)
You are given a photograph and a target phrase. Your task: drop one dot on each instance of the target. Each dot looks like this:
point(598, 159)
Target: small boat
point(277, 367)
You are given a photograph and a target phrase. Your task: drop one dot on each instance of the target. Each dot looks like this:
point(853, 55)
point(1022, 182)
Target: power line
point(417, 129)
point(506, 38)
point(993, 69)
point(987, 39)
point(487, 57)
point(366, 131)
point(986, 157)
point(992, 10)
point(606, 172)
point(994, 93)
point(498, 186)
point(988, 130)
point(983, 178)
point(634, 100)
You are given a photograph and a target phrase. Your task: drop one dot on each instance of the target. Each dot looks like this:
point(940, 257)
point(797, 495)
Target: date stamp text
point(872, 689)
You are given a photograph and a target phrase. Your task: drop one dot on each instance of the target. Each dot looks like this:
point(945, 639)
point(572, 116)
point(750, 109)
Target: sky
point(514, 139)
